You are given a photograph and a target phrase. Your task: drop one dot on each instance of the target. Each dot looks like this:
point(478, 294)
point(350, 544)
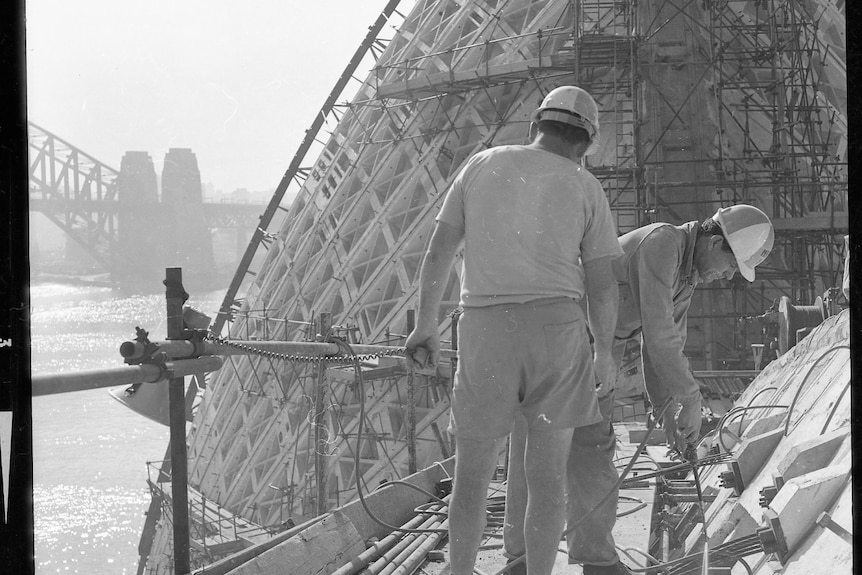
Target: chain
point(315, 359)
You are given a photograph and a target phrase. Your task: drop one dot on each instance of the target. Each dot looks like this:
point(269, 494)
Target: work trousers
point(591, 475)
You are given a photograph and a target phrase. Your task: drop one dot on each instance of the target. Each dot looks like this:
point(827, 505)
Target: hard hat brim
point(566, 117)
point(745, 270)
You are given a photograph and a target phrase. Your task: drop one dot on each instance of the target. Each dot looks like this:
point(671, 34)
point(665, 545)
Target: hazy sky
point(237, 82)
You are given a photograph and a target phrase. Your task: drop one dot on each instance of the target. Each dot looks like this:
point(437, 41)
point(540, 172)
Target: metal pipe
point(409, 554)
point(377, 566)
point(411, 404)
point(664, 537)
point(50, 383)
point(411, 563)
point(184, 348)
point(324, 326)
point(376, 550)
point(175, 297)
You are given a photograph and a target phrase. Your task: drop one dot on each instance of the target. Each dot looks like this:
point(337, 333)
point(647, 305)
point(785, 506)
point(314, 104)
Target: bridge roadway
point(217, 214)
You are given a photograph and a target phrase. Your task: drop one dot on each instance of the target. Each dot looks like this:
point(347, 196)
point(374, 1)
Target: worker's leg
point(516, 492)
point(475, 461)
point(545, 465)
point(591, 477)
point(559, 394)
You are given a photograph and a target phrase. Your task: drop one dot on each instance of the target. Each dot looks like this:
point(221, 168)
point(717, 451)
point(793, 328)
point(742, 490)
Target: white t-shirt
point(530, 218)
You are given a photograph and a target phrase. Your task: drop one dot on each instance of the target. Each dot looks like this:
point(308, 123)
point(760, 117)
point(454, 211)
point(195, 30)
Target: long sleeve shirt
point(656, 278)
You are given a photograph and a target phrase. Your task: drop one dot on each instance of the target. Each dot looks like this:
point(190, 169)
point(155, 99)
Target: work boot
point(617, 568)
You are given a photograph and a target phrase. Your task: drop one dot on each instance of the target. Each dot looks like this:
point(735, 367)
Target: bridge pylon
point(187, 233)
point(140, 245)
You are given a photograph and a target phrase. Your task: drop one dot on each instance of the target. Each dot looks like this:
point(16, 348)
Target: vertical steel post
point(176, 297)
point(411, 404)
point(324, 325)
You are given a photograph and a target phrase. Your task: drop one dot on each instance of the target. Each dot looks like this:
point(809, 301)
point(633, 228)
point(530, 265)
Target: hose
point(357, 369)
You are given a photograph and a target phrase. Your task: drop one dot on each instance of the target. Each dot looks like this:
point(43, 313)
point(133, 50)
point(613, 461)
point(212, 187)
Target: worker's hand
point(671, 435)
point(423, 349)
point(690, 453)
point(606, 373)
point(688, 421)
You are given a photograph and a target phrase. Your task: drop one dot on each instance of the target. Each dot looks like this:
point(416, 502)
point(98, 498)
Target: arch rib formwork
point(454, 79)
point(352, 248)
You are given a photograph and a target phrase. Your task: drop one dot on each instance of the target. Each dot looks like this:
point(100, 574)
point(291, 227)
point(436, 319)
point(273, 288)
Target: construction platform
point(773, 493)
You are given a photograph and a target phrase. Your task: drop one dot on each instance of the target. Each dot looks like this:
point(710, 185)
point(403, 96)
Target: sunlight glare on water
point(90, 452)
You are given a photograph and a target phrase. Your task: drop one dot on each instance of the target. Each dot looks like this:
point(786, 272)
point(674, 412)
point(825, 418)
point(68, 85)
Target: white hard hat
point(749, 234)
point(574, 106)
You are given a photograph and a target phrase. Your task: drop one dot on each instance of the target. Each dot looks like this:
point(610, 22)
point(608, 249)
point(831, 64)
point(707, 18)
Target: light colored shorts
point(532, 358)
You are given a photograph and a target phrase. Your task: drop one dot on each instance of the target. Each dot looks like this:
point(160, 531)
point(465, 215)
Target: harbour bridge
point(116, 215)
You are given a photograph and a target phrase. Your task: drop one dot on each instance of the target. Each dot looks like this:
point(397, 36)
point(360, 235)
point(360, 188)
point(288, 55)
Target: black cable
point(739, 411)
point(357, 369)
point(835, 407)
point(802, 385)
point(410, 485)
point(732, 549)
point(703, 462)
point(640, 505)
point(756, 395)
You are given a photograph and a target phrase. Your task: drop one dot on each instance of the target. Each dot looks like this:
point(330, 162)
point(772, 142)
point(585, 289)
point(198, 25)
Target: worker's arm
point(602, 306)
point(657, 263)
point(423, 343)
point(681, 424)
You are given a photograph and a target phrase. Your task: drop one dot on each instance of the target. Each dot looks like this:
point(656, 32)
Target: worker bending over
point(538, 237)
point(661, 266)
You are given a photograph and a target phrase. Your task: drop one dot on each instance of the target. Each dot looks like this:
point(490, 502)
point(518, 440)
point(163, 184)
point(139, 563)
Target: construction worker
point(538, 237)
point(661, 266)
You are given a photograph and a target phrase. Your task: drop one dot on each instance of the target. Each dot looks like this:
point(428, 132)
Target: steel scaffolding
point(704, 103)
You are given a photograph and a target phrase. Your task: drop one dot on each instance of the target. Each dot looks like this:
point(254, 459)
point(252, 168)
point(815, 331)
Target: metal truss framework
point(66, 184)
point(686, 128)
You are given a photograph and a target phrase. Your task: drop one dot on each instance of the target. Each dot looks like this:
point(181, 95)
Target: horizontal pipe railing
point(47, 384)
point(185, 357)
point(133, 350)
